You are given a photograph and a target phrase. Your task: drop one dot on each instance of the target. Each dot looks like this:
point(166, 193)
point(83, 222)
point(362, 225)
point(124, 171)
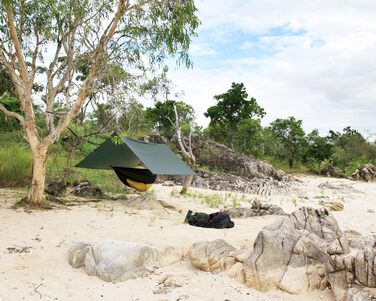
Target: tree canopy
point(72, 49)
point(232, 107)
point(163, 118)
point(290, 134)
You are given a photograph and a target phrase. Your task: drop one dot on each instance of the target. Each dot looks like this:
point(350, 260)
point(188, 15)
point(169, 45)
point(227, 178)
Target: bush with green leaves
point(355, 163)
point(15, 165)
point(249, 137)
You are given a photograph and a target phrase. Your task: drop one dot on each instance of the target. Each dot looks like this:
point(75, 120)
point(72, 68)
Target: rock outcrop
point(366, 172)
point(257, 209)
point(291, 254)
point(228, 182)
point(331, 171)
point(212, 256)
point(86, 189)
point(118, 261)
point(56, 188)
point(352, 276)
point(219, 156)
point(80, 189)
point(304, 251)
point(218, 256)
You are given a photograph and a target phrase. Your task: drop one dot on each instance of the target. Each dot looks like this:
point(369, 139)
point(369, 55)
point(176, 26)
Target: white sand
point(44, 272)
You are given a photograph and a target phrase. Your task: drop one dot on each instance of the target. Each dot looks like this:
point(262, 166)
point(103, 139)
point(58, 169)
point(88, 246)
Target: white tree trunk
point(187, 184)
point(35, 195)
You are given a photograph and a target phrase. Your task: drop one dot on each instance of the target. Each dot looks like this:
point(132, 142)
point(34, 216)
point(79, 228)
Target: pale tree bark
point(185, 149)
point(36, 191)
point(23, 80)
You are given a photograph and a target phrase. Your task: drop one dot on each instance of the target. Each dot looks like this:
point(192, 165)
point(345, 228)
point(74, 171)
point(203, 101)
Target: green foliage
point(133, 120)
point(249, 137)
point(354, 164)
point(350, 145)
point(6, 85)
point(290, 134)
point(8, 100)
point(15, 165)
point(318, 148)
point(117, 140)
point(232, 107)
point(147, 34)
point(163, 118)
point(281, 163)
point(217, 133)
point(8, 138)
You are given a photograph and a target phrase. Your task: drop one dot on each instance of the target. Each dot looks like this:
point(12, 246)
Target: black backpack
point(217, 220)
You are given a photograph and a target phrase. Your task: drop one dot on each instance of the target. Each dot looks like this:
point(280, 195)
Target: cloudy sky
point(312, 59)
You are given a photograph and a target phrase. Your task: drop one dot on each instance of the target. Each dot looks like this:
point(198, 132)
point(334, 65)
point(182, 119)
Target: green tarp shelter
point(158, 158)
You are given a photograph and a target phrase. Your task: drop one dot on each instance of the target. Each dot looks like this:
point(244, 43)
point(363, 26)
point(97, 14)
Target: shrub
point(15, 166)
point(355, 164)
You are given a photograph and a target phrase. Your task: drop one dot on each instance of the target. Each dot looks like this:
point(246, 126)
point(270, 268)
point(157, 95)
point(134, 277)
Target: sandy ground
point(44, 273)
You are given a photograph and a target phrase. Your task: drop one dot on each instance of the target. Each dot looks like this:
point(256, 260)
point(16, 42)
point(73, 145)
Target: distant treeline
point(234, 121)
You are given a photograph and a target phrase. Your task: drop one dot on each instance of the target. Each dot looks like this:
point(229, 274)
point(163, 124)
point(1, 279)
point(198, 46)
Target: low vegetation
point(284, 143)
point(213, 200)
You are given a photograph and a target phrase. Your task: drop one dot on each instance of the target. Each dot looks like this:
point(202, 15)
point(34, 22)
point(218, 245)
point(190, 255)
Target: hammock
point(138, 175)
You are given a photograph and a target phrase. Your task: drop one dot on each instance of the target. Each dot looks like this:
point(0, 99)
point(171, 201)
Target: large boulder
point(301, 252)
point(366, 172)
point(353, 275)
point(212, 256)
point(218, 256)
point(219, 156)
point(118, 261)
point(291, 254)
point(331, 171)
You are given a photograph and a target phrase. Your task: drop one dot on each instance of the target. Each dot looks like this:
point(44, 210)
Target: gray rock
point(77, 254)
point(56, 188)
point(115, 260)
point(305, 251)
point(212, 256)
point(257, 209)
point(273, 248)
point(366, 172)
point(230, 182)
point(86, 189)
point(285, 252)
point(331, 171)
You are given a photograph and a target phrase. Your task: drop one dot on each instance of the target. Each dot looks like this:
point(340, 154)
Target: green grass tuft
point(15, 166)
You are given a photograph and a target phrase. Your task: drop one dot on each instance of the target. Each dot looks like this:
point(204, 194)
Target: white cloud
point(246, 45)
point(201, 49)
point(325, 76)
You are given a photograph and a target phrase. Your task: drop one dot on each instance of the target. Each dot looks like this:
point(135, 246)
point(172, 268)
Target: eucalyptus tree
point(232, 107)
point(47, 41)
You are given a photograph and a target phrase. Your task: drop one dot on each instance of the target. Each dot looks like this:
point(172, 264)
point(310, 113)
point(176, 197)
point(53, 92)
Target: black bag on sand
point(217, 220)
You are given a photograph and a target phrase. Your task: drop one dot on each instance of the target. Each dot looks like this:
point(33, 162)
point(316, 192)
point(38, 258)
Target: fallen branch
point(36, 289)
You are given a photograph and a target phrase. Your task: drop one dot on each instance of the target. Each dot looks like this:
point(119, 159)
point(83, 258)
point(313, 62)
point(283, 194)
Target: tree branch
point(12, 114)
point(16, 43)
point(178, 133)
point(82, 138)
point(83, 92)
point(34, 58)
